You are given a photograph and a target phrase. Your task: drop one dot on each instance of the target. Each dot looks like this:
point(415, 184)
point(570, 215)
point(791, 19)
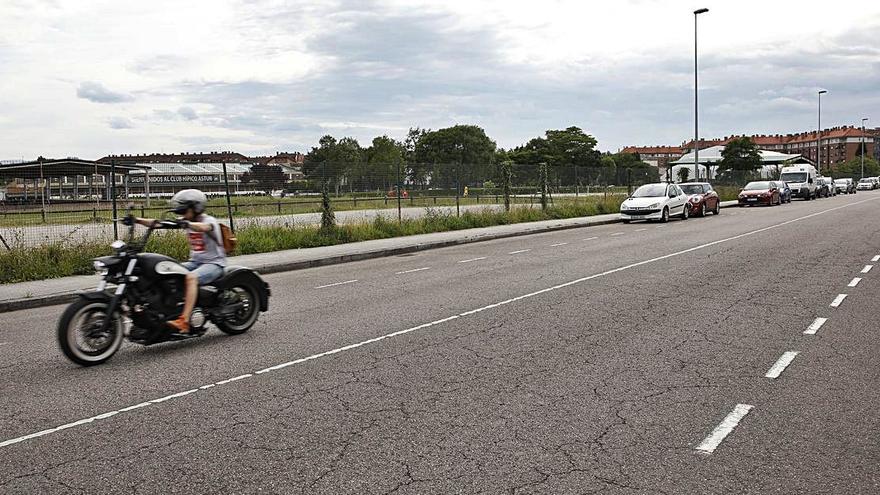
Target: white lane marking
point(780, 364)
point(838, 300)
point(558, 244)
point(660, 227)
point(815, 326)
point(414, 270)
point(520, 251)
point(337, 283)
point(3, 343)
point(724, 428)
point(641, 230)
point(854, 282)
point(617, 233)
point(591, 238)
point(867, 268)
point(708, 448)
point(875, 258)
point(473, 259)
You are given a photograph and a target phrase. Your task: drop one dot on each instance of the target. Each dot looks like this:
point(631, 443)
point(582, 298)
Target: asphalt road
point(622, 358)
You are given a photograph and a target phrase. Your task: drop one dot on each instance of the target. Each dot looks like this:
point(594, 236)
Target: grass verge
point(69, 258)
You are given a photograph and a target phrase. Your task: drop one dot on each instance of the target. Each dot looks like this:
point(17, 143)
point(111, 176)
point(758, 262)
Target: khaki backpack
point(228, 238)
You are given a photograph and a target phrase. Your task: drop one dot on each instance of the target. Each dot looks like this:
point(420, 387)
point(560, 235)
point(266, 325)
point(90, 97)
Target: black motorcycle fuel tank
point(148, 266)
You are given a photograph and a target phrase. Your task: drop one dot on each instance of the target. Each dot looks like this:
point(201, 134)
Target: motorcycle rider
point(207, 258)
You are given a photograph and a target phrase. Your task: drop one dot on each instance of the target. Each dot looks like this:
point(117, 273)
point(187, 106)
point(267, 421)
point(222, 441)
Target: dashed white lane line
point(520, 251)
point(875, 258)
point(708, 445)
point(867, 268)
point(641, 230)
point(815, 326)
point(780, 364)
point(336, 284)
point(838, 300)
point(3, 343)
point(724, 428)
point(414, 270)
point(591, 238)
point(617, 233)
point(854, 282)
point(558, 244)
point(473, 259)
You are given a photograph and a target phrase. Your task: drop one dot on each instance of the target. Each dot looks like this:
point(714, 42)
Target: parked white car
point(655, 202)
point(865, 184)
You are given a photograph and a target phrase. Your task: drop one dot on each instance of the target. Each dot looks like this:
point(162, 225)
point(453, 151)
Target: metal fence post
point(629, 181)
point(113, 197)
point(399, 209)
point(457, 188)
point(228, 200)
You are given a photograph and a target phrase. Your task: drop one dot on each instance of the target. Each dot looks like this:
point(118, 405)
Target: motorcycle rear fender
point(238, 274)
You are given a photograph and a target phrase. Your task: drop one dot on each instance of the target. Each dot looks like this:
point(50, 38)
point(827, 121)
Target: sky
point(91, 78)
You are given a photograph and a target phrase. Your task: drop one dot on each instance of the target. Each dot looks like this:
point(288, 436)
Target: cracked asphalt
point(605, 385)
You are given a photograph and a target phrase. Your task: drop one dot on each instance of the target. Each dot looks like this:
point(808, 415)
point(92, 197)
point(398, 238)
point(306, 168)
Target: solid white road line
point(591, 238)
point(854, 282)
point(414, 270)
point(815, 326)
point(876, 258)
point(473, 259)
point(520, 251)
point(867, 268)
point(337, 283)
point(838, 300)
point(558, 244)
point(780, 364)
point(708, 445)
point(724, 428)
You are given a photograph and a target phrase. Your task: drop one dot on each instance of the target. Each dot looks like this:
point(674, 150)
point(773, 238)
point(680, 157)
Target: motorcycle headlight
point(100, 268)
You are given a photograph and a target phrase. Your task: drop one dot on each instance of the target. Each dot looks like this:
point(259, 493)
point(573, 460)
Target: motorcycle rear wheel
point(79, 333)
point(244, 319)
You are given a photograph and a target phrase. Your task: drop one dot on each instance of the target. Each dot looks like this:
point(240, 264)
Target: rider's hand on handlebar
point(183, 224)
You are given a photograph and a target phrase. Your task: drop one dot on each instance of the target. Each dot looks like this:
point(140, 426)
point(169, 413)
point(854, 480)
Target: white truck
point(801, 179)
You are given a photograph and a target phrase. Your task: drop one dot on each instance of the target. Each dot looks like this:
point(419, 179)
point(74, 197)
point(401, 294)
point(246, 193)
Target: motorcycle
point(149, 291)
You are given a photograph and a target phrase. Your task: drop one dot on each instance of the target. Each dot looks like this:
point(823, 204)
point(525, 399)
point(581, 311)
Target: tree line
point(461, 155)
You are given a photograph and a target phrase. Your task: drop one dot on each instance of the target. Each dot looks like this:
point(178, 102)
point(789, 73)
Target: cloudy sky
point(89, 78)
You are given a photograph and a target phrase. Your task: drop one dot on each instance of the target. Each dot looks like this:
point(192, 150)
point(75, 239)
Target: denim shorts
point(207, 272)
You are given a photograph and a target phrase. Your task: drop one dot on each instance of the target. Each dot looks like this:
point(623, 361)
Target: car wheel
point(703, 209)
point(717, 210)
point(664, 217)
point(627, 221)
point(685, 212)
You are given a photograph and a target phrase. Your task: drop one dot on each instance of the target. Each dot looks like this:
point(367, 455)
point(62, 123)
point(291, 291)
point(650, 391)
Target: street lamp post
point(862, 150)
point(819, 137)
point(696, 102)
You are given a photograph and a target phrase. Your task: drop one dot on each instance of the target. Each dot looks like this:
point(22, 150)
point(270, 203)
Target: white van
point(801, 179)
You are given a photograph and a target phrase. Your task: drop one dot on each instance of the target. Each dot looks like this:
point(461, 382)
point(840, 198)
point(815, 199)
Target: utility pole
point(863, 147)
point(819, 140)
point(696, 102)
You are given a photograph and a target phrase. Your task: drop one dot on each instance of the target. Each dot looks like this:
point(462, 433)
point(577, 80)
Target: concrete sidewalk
point(40, 293)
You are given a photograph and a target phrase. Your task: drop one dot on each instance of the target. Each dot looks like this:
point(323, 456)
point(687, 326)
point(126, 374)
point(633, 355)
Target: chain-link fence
point(48, 204)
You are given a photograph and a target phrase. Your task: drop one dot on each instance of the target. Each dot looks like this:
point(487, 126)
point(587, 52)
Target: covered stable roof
point(62, 167)
point(712, 155)
point(192, 168)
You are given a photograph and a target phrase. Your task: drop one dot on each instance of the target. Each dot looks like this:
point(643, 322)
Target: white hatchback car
point(655, 202)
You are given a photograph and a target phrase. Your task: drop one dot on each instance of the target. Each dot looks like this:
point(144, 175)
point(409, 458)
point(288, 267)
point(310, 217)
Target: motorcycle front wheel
point(80, 336)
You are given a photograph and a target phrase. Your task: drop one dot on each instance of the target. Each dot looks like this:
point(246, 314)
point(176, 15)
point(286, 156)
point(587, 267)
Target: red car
point(701, 198)
point(760, 193)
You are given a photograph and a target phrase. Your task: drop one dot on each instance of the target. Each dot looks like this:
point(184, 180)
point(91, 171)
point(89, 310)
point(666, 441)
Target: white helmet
point(189, 198)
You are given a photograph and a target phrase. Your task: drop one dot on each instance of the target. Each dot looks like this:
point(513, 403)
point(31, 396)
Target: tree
point(740, 159)
point(267, 177)
point(384, 157)
point(332, 160)
point(458, 154)
point(853, 168)
point(684, 174)
point(562, 151)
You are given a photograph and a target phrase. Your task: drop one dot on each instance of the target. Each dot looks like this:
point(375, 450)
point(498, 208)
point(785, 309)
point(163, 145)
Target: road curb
point(66, 297)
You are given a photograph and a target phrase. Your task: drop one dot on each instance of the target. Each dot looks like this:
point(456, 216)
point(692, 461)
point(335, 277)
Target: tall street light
point(819, 140)
point(862, 150)
point(696, 103)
